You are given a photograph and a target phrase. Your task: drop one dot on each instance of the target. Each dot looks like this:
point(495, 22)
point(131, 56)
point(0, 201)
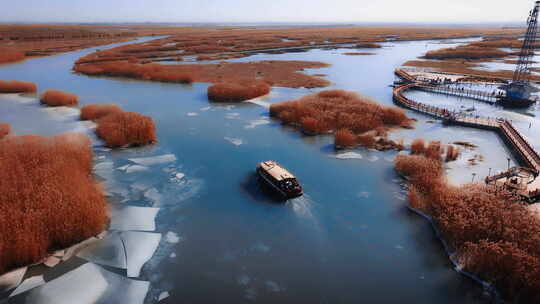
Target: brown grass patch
point(5, 129)
point(118, 128)
point(367, 45)
point(344, 138)
point(15, 86)
point(126, 129)
point(11, 56)
point(236, 92)
point(278, 73)
point(333, 110)
point(418, 146)
point(493, 233)
point(97, 111)
point(466, 52)
point(49, 197)
point(55, 98)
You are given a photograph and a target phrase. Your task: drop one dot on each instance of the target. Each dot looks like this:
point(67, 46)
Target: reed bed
point(275, 72)
point(368, 45)
point(128, 69)
point(15, 86)
point(492, 232)
point(97, 111)
point(49, 197)
point(56, 98)
point(332, 110)
point(5, 129)
point(7, 56)
point(118, 128)
point(345, 138)
point(466, 52)
point(237, 91)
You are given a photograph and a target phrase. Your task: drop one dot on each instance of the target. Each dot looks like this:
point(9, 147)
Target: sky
point(253, 11)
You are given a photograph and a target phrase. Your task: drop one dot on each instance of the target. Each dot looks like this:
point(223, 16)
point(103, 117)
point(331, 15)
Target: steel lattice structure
point(527, 50)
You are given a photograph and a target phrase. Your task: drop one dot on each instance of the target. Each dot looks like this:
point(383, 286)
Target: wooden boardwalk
point(517, 142)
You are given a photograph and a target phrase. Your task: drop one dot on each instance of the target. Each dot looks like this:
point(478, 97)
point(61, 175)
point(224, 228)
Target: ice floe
point(62, 113)
point(234, 141)
point(163, 295)
point(125, 218)
point(205, 108)
point(154, 160)
point(89, 283)
point(12, 279)
point(192, 114)
point(109, 251)
point(140, 247)
point(260, 102)
point(233, 115)
point(349, 155)
point(138, 186)
point(363, 194)
point(254, 123)
point(135, 168)
point(372, 158)
point(103, 166)
point(172, 237)
point(28, 284)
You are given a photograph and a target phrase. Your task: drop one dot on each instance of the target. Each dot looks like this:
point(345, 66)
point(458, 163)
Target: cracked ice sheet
point(154, 160)
point(140, 247)
point(133, 218)
point(109, 251)
point(28, 284)
point(11, 279)
point(62, 112)
point(89, 284)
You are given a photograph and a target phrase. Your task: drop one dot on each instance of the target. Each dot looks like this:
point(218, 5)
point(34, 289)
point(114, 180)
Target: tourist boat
point(279, 179)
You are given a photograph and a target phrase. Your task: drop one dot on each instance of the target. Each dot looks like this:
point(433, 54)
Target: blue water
point(349, 239)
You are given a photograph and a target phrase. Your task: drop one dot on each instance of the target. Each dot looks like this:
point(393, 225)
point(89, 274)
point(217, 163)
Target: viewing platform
point(521, 180)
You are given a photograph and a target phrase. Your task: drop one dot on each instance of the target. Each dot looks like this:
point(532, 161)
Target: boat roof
point(276, 170)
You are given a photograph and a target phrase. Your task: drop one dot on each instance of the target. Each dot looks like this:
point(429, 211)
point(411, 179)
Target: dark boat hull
point(515, 103)
point(278, 190)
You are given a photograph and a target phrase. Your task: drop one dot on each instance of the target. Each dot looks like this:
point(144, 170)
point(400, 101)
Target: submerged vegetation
point(434, 150)
point(237, 91)
point(360, 120)
point(118, 128)
point(55, 98)
point(493, 234)
point(49, 197)
point(5, 129)
point(15, 86)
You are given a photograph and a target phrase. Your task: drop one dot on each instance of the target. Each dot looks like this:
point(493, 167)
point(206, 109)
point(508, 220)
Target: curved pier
point(516, 141)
